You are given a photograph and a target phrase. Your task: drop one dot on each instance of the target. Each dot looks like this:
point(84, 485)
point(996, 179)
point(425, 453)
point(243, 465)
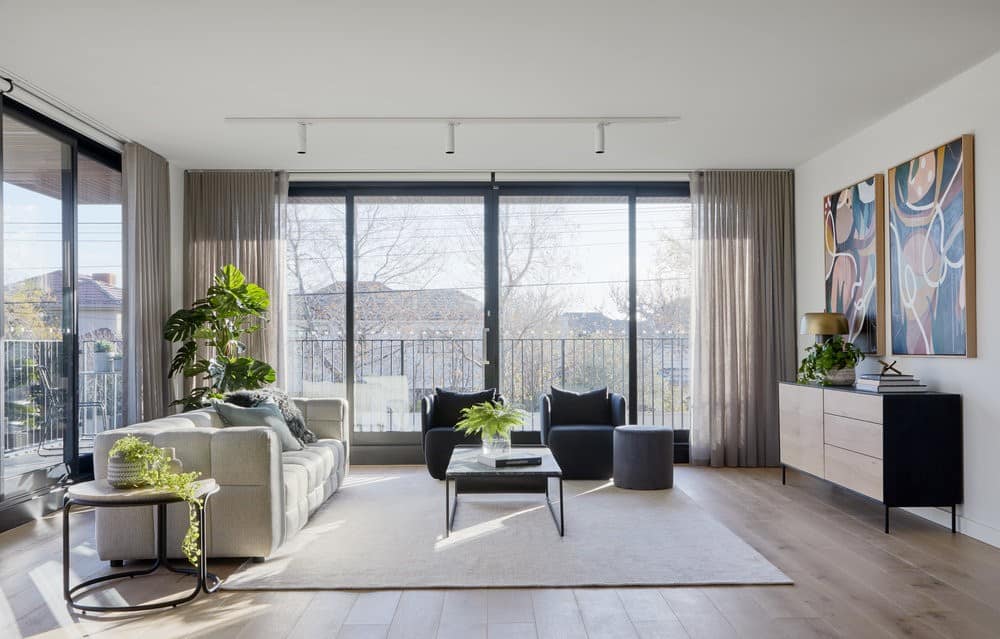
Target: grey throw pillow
point(262, 415)
point(293, 416)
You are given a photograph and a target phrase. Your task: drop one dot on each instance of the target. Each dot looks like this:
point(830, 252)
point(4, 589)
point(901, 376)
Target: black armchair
point(438, 415)
point(579, 430)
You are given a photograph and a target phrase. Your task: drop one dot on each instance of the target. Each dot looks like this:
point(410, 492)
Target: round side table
point(100, 494)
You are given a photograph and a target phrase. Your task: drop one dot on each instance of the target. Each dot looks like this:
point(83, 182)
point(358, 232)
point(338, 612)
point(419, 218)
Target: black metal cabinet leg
point(954, 528)
point(887, 520)
point(782, 474)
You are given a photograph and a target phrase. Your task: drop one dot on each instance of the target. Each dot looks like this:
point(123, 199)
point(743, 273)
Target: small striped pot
point(125, 474)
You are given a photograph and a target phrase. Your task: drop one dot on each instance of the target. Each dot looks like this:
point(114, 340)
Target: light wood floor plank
point(604, 614)
point(851, 581)
point(557, 615)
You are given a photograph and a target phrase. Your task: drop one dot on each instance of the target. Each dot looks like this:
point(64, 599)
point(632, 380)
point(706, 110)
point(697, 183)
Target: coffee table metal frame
point(160, 500)
point(514, 472)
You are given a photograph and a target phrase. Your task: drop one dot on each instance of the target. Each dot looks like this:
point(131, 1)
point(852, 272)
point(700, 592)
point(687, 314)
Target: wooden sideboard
point(904, 450)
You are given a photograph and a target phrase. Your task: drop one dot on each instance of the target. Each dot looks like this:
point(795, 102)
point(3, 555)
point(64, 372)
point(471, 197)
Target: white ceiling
point(766, 83)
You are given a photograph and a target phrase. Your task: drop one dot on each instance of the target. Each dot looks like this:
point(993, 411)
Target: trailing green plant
point(217, 324)
point(490, 419)
point(833, 354)
point(155, 472)
point(104, 346)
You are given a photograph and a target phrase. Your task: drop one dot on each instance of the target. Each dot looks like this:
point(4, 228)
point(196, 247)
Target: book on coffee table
point(507, 460)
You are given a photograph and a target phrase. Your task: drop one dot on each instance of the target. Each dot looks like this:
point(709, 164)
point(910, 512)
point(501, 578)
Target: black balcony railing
point(393, 374)
point(36, 396)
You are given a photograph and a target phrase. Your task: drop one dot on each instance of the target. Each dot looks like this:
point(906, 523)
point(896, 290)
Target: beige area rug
point(385, 530)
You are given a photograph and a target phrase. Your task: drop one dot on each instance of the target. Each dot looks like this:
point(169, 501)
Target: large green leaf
point(183, 358)
point(182, 325)
point(255, 298)
point(230, 277)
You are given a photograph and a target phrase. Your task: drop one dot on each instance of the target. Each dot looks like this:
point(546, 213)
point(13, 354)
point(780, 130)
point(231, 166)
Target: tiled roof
point(91, 293)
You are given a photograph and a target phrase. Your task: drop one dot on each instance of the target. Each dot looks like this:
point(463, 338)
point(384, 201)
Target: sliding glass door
point(61, 324)
point(418, 306)
point(396, 289)
point(564, 303)
point(38, 314)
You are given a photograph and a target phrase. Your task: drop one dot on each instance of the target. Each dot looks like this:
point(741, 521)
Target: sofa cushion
point(591, 407)
point(290, 411)
point(583, 451)
point(448, 405)
point(264, 415)
point(320, 460)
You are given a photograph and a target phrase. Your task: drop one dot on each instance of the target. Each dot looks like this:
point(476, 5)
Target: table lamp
point(823, 325)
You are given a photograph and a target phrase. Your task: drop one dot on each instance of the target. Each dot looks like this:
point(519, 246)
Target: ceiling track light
point(599, 137)
point(302, 138)
point(449, 139)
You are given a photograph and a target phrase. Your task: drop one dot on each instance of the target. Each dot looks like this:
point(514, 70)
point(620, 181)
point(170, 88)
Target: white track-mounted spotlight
point(449, 139)
point(599, 137)
point(302, 138)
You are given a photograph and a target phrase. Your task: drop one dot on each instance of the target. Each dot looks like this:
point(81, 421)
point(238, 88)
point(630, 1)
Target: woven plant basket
point(125, 474)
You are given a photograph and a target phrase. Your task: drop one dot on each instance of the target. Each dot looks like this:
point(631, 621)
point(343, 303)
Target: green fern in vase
point(489, 420)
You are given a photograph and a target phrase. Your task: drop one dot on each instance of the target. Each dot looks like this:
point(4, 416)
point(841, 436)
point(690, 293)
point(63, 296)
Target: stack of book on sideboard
point(876, 383)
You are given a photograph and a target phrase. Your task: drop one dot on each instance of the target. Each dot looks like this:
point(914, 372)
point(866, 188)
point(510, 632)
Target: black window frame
point(491, 191)
point(77, 144)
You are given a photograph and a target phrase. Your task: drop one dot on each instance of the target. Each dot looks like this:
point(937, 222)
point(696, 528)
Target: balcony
point(36, 400)
point(393, 374)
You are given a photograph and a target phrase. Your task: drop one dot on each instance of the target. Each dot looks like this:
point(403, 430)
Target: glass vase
point(495, 445)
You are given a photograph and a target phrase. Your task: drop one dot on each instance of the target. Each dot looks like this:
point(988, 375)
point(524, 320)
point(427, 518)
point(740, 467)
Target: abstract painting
point(932, 252)
point(853, 239)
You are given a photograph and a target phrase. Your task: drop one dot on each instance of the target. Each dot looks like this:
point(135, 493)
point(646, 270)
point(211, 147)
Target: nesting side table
point(100, 494)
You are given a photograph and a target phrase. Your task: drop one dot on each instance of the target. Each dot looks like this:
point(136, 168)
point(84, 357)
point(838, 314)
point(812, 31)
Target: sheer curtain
point(146, 179)
point(235, 217)
point(744, 313)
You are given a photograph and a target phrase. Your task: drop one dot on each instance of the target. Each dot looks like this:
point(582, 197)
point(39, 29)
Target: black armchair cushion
point(591, 407)
point(448, 405)
point(438, 445)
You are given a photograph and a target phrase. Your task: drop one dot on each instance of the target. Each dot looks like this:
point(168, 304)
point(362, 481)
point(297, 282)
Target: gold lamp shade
point(823, 325)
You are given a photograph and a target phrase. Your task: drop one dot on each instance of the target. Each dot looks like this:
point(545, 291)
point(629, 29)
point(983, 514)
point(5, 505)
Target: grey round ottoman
point(644, 457)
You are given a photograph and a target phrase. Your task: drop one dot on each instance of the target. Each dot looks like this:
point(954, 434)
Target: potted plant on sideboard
point(830, 363)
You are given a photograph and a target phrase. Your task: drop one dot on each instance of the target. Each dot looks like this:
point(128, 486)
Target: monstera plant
point(212, 333)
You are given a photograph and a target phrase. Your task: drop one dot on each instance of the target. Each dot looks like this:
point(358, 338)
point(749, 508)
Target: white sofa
point(266, 496)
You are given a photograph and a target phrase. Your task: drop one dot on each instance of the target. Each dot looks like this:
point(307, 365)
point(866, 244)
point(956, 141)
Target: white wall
point(969, 103)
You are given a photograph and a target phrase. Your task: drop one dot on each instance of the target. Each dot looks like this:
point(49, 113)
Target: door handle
point(486, 335)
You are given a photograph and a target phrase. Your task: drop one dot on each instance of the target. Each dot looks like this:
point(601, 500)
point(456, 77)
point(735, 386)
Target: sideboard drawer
point(853, 434)
point(854, 470)
point(854, 405)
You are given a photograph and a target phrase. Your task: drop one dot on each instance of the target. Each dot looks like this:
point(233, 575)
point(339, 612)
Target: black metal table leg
point(71, 594)
point(447, 507)
point(561, 521)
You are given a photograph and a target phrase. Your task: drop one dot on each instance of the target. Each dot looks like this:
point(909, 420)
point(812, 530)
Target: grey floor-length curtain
point(744, 313)
point(234, 217)
point(146, 180)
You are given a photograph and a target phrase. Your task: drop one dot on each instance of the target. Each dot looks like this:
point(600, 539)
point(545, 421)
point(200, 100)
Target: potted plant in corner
point(211, 335)
point(492, 421)
point(831, 363)
point(103, 350)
